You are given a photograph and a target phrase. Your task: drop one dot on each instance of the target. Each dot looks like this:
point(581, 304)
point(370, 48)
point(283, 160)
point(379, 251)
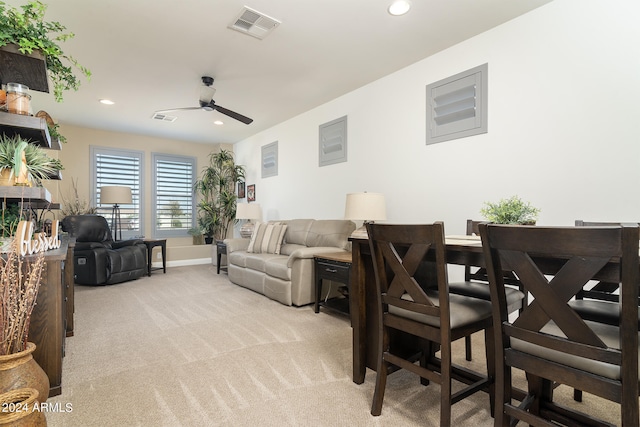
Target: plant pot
point(20, 370)
point(198, 240)
point(208, 240)
point(19, 409)
point(6, 179)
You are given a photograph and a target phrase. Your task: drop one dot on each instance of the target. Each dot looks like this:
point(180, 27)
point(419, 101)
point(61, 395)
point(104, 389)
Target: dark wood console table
point(48, 327)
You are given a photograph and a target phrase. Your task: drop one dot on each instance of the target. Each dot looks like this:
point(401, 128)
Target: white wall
point(564, 122)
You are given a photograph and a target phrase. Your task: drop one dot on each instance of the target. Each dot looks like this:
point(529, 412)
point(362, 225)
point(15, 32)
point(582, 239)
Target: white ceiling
point(149, 55)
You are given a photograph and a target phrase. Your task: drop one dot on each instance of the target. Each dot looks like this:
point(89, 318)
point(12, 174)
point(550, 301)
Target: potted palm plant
point(216, 188)
point(510, 211)
point(25, 30)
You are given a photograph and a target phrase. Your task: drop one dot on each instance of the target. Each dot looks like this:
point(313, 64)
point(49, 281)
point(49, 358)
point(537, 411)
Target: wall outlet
point(159, 255)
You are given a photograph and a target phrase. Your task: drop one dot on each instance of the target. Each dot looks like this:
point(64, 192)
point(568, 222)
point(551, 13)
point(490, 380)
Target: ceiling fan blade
point(244, 119)
point(177, 109)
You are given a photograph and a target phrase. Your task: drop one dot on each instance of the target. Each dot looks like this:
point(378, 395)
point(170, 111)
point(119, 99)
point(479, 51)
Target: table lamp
point(117, 196)
point(248, 211)
point(366, 207)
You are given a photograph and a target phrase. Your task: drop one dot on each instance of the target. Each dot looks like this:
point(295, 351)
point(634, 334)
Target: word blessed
point(40, 242)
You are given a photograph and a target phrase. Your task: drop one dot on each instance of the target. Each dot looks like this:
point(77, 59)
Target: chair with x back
point(549, 340)
point(435, 316)
point(476, 284)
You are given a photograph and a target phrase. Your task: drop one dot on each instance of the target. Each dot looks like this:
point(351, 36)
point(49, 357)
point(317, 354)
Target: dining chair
point(476, 284)
point(598, 302)
point(549, 340)
point(433, 315)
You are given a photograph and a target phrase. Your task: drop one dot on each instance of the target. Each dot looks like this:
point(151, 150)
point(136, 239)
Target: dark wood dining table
point(461, 250)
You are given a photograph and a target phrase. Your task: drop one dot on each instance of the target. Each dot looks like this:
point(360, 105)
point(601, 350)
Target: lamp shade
point(248, 211)
point(115, 195)
point(365, 207)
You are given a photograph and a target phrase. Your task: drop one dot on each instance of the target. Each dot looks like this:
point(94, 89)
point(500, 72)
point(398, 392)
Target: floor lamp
point(115, 195)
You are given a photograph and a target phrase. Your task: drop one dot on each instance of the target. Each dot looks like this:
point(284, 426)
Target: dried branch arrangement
point(19, 284)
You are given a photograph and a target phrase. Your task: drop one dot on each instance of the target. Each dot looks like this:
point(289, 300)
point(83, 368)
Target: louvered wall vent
point(164, 117)
point(254, 23)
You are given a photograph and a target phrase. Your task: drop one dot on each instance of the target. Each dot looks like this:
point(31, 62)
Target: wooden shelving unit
point(28, 127)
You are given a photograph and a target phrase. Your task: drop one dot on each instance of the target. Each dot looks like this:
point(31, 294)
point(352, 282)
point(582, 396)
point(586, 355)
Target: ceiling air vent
point(254, 23)
point(164, 117)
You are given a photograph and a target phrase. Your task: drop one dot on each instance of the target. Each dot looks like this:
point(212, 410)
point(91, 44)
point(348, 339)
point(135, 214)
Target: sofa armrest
point(308, 253)
point(124, 243)
point(236, 245)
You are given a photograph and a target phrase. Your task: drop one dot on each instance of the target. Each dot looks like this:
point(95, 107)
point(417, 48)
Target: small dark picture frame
point(251, 193)
point(241, 190)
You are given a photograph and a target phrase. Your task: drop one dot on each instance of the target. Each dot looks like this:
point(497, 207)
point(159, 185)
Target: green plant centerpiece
point(26, 28)
point(510, 211)
point(39, 165)
point(216, 189)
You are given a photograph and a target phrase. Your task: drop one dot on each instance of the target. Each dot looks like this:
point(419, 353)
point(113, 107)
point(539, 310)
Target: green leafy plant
point(9, 220)
point(26, 28)
point(510, 211)
point(54, 132)
point(216, 188)
point(39, 165)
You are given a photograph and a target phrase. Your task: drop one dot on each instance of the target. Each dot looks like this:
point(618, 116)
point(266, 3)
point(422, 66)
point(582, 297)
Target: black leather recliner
point(97, 259)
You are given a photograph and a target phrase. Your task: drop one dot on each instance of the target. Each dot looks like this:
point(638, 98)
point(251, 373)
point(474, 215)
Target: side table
point(221, 249)
point(152, 243)
point(335, 266)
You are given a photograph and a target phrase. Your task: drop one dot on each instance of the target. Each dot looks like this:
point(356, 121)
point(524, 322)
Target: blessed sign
point(29, 243)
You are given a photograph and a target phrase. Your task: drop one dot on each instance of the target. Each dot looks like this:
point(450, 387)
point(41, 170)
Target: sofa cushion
point(277, 267)
point(297, 231)
point(330, 232)
point(258, 261)
point(267, 238)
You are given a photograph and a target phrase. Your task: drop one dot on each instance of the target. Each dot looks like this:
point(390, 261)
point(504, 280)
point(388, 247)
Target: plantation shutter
point(456, 106)
point(121, 168)
point(174, 201)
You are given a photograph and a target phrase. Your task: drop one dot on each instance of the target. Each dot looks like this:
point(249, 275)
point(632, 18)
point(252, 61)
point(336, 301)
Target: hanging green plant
point(26, 28)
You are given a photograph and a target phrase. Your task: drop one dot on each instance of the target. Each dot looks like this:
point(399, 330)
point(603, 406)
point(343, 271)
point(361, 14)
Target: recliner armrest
point(123, 243)
point(86, 246)
point(236, 245)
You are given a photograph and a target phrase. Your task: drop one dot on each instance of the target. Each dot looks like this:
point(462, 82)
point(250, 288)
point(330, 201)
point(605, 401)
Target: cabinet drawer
point(338, 272)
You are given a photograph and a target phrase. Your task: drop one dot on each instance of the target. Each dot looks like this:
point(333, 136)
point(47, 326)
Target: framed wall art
point(241, 190)
point(251, 193)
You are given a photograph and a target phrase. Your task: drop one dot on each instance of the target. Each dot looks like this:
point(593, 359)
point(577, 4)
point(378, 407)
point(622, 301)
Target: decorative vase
point(19, 409)
point(20, 370)
point(6, 178)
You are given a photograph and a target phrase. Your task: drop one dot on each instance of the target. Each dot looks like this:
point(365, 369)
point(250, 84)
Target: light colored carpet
point(188, 348)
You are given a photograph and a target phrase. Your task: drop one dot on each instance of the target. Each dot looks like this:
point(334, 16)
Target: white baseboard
point(183, 262)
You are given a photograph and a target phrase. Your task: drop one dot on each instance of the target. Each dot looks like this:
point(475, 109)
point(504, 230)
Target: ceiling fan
point(208, 104)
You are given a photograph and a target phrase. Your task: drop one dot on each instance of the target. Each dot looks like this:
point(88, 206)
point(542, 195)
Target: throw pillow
point(267, 238)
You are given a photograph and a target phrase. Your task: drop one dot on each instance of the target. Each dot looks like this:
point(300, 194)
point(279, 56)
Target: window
point(122, 168)
point(173, 198)
point(333, 142)
point(457, 106)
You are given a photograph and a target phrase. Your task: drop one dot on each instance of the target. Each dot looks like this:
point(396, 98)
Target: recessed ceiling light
point(218, 122)
point(107, 102)
point(399, 7)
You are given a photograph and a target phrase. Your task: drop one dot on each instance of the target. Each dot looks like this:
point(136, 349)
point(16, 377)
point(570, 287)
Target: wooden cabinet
point(48, 327)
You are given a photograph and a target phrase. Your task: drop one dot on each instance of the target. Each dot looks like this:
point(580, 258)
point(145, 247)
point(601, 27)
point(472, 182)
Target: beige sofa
point(287, 277)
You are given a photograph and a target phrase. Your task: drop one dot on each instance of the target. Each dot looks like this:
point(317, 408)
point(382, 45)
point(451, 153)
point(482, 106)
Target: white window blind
point(457, 106)
point(174, 201)
point(121, 168)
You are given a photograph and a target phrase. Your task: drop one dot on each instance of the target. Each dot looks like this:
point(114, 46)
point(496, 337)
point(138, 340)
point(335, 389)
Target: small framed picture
point(241, 190)
point(251, 193)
